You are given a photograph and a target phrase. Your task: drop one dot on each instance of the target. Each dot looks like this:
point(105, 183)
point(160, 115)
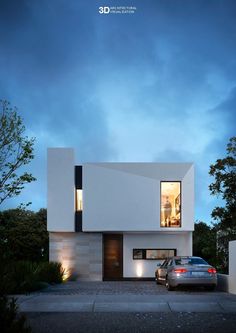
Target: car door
point(162, 270)
point(169, 266)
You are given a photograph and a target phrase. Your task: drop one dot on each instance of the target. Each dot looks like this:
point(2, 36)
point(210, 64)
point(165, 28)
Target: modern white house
point(114, 221)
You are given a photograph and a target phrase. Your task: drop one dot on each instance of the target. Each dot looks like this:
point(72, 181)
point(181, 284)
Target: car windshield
point(190, 261)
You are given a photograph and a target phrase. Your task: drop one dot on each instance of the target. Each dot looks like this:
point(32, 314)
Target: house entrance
point(112, 257)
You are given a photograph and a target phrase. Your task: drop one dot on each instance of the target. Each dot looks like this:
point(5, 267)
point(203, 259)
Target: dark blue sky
point(158, 85)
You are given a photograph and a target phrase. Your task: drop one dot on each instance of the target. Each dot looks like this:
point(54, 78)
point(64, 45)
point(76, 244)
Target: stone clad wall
point(79, 253)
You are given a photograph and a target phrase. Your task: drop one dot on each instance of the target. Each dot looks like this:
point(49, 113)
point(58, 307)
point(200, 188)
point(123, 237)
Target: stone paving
point(107, 288)
point(138, 296)
point(116, 288)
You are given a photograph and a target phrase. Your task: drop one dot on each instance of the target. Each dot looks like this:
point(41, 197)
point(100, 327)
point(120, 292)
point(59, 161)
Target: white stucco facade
point(60, 190)
point(118, 198)
point(182, 242)
point(126, 196)
point(232, 267)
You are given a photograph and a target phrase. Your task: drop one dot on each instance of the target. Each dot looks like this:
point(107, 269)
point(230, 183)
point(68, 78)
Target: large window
point(171, 204)
point(153, 254)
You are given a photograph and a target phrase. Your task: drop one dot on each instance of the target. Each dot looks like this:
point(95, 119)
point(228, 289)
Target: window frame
point(172, 181)
point(156, 249)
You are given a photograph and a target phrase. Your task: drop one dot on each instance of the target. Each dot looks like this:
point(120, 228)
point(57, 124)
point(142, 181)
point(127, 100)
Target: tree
point(204, 242)
point(23, 235)
point(224, 186)
point(16, 150)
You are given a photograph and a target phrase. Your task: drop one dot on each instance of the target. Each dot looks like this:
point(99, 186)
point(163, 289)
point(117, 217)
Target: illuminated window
point(79, 200)
point(170, 204)
point(153, 254)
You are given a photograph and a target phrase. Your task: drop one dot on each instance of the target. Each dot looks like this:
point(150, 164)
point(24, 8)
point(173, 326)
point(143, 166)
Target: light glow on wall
point(65, 256)
point(66, 274)
point(79, 200)
point(139, 270)
point(67, 269)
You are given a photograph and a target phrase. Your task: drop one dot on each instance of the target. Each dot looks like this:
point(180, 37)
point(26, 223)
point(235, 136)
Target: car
point(186, 271)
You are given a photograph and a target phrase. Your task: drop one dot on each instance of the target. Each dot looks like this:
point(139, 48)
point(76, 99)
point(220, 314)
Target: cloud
point(158, 85)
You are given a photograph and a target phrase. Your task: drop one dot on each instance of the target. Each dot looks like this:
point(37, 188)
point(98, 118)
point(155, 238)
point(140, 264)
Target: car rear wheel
point(168, 286)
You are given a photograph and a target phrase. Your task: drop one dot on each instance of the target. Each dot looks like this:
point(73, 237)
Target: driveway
point(128, 307)
point(138, 296)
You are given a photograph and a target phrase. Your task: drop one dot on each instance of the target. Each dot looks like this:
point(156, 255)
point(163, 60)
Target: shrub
point(11, 322)
point(25, 276)
point(50, 272)
point(22, 276)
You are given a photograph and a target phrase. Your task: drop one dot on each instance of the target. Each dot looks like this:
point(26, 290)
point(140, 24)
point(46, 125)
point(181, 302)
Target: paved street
point(128, 307)
point(178, 322)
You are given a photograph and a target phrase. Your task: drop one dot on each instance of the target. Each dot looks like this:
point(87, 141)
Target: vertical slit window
point(79, 200)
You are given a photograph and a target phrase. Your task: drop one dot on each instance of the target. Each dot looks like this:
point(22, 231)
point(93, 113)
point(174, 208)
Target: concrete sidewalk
point(215, 302)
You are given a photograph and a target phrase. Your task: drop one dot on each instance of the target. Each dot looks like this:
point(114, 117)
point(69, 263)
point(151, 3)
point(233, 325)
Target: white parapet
point(61, 190)
point(227, 282)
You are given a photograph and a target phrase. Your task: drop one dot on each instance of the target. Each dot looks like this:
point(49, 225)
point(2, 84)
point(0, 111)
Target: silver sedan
point(177, 271)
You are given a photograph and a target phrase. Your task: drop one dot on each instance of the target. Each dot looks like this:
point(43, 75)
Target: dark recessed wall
point(78, 186)
point(78, 177)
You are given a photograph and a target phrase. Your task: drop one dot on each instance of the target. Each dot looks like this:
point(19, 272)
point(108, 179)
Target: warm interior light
point(139, 270)
point(211, 270)
point(170, 204)
point(79, 200)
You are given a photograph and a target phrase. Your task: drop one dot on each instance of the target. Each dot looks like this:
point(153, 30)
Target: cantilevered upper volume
point(127, 196)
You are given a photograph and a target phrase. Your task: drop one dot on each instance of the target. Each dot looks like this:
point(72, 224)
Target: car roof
point(184, 257)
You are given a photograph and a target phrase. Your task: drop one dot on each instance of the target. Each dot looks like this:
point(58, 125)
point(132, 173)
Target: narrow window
point(79, 200)
point(171, 204)
point(153, 254)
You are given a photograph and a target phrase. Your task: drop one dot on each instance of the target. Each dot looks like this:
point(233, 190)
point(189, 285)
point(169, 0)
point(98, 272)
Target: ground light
point(139, 270)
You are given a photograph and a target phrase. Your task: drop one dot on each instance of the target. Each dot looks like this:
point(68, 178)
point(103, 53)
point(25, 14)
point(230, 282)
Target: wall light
point(66, 274)
point(139, 270)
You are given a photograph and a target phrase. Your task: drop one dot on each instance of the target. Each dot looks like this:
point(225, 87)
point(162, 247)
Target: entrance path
point(138, 296)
